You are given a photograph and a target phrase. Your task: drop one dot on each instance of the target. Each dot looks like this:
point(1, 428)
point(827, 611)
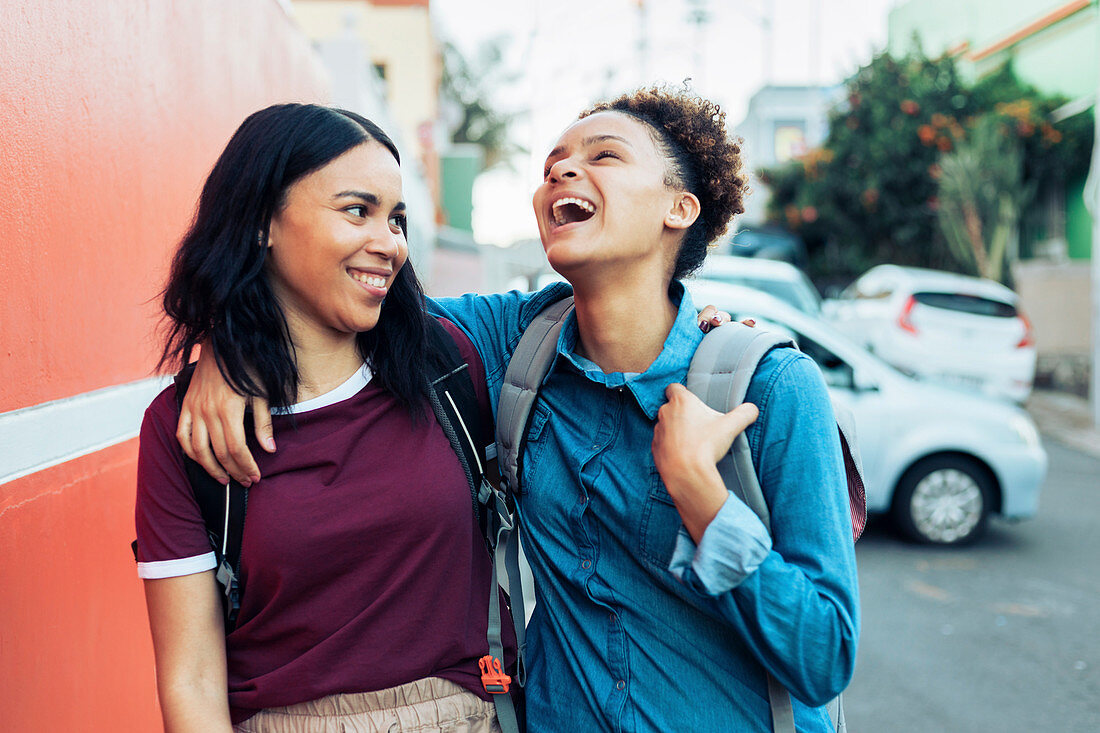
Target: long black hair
point(218, 291)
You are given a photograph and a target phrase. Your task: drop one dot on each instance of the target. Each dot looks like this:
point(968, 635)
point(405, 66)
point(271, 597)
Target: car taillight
point(1029, 335)
point(903, 318)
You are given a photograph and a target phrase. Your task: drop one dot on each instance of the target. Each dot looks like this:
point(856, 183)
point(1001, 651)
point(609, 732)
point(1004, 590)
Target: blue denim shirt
point(636, 628)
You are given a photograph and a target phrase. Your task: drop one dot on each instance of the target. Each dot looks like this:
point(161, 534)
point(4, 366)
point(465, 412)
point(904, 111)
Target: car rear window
point(967, 304)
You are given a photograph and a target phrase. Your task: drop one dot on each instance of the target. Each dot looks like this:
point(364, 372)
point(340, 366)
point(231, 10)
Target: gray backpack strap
point(493, 677)
point(719, 375)
point(529, 365)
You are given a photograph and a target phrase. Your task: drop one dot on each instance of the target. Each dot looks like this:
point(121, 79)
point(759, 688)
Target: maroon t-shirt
point(362, 563)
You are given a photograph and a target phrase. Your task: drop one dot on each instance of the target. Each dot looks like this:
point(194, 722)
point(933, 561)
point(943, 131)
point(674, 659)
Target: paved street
point(1000, 636)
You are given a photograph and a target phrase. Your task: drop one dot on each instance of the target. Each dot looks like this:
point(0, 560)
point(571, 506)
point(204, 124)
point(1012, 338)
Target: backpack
point(456, 408)
point(719, 374)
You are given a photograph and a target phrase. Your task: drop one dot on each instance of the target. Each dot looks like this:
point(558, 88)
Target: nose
point(562, 170)
point(384, 243)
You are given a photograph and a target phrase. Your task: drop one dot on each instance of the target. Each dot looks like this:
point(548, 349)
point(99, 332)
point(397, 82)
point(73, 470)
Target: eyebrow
point(590, 141)
point(369, 198)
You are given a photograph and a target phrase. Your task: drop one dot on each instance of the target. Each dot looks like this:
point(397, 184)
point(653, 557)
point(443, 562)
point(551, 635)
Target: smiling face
point(606, 199)
point(337, 243)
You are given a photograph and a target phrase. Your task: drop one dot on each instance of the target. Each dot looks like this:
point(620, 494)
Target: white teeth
point(579, 202)
point(372, 280)
point(556, 208)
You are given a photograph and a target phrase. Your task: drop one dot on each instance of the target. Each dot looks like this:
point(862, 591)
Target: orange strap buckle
point(493, 678)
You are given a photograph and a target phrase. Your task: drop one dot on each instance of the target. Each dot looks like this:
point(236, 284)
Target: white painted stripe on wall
point(35, 438)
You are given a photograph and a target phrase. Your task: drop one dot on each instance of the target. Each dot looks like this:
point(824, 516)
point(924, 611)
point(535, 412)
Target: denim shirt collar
point(671, 365)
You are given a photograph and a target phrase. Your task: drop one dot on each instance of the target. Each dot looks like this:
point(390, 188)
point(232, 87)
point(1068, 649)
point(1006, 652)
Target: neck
point(623, 324)
point(324, 360)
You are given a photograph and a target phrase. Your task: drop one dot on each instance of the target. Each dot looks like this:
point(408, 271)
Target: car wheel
point(943, 500)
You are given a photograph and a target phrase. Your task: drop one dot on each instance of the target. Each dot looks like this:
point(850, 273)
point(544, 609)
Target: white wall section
point(45, 435)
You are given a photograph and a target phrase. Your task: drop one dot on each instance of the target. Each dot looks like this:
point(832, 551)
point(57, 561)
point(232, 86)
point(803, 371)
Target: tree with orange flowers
point(875, 189)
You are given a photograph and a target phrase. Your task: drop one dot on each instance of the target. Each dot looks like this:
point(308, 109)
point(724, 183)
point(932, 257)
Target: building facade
point(383, 55)
point(113, 114)
point(781, 123)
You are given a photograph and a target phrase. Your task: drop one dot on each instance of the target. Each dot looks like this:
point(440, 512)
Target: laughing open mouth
point(569, 210)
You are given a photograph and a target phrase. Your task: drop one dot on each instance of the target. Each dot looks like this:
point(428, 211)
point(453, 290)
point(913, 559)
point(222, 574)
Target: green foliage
point(470, 85)
point(870, 194)
point(981, 192)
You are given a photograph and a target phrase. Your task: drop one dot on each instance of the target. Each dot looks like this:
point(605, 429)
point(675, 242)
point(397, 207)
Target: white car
point(964, 330)
point(780, 279)
point(939, 460)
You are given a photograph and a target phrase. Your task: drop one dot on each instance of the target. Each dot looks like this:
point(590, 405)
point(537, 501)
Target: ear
point(272, 233)
point(685, 210)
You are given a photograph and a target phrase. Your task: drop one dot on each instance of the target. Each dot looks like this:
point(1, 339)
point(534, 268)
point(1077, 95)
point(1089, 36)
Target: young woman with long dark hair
point(663, 602)
point(365, 573)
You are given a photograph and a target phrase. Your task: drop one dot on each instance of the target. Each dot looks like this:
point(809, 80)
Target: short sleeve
point(171, 536)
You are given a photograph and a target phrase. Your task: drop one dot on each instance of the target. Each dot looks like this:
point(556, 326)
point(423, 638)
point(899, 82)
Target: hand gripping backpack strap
point(719, 375)
point(223, 508)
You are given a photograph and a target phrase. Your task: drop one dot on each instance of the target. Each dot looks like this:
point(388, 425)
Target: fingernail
point(750, 321)
point(245, 483)
point(269, 443)
point(704, 327)
point(254, 478)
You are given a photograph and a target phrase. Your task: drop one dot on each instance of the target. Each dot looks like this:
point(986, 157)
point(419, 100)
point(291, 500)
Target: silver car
point(953, 328)
point(780, 279)
point(938, 459)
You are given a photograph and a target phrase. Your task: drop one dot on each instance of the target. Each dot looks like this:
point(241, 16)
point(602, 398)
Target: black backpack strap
point(216, 501)
point(458, 412)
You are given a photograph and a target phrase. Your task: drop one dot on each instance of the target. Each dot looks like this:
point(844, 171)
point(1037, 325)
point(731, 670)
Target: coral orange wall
point(112, 113)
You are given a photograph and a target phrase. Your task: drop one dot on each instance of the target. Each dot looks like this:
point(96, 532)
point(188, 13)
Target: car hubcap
point(947, 505)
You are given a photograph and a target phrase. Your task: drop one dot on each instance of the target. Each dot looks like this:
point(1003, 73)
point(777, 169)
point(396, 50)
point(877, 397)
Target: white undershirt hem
point(176, 568)
point(355, 383)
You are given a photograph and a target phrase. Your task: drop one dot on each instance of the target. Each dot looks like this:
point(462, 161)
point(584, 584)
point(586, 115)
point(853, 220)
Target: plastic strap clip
point(493, 678)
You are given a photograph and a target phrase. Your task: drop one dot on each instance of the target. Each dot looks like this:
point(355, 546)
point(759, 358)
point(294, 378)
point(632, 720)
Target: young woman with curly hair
point(663, 602)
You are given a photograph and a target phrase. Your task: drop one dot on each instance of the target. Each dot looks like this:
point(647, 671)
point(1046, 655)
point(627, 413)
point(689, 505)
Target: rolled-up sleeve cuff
point(734, 544)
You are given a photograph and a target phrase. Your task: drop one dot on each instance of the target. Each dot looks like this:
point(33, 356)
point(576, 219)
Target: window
point(967, 304)
point(837, 372)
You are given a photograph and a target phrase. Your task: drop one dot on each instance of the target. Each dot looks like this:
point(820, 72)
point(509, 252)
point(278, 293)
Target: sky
point(565, 54)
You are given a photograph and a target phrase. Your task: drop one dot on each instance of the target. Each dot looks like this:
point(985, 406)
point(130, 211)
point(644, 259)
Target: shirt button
point(595, 446)
point(584, 500)
point(612, 617)
point(620, 685)
point(586, 564)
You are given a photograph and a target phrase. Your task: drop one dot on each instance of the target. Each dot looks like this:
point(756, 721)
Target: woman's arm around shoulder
point(495, 322)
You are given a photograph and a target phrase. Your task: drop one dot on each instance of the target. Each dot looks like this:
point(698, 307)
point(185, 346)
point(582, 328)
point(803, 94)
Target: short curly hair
point(690, 132)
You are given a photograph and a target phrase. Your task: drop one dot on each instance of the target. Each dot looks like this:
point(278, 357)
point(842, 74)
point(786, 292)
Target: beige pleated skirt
point(430, 704)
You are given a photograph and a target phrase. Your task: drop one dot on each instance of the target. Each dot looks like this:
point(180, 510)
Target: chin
point(567, 252)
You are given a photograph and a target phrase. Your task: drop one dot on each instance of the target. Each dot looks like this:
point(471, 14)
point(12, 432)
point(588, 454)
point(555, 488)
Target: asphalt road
point(1003, 635)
